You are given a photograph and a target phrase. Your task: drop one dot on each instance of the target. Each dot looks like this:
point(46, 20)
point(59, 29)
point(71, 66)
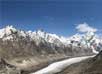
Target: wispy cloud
point(84, 27)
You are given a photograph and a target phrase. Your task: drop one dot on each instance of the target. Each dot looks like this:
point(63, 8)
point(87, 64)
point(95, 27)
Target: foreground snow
point(59, 66)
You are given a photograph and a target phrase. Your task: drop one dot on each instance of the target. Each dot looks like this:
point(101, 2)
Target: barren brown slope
point(89, 66)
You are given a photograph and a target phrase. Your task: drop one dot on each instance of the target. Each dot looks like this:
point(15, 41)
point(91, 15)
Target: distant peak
point(41, 30)
point(10, 28)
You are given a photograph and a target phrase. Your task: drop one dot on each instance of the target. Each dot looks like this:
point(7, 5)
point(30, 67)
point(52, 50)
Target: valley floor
point(59, 66)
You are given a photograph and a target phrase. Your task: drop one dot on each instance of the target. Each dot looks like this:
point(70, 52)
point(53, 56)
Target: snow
point(59, 66)
point(41, 36)
point(41, 33)
point(7, 31)
point(94, 51)
point(76, 37)
point(1, 33)
point(22, 34)
point(8, 38)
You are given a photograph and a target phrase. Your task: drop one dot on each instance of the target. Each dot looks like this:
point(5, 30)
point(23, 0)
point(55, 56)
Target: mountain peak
point(41, 30)
point(10, 29)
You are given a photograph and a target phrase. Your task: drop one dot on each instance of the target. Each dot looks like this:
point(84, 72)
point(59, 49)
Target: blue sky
point(56, 16)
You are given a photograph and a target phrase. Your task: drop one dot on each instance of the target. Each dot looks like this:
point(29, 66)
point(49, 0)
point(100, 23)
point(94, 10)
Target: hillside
point(89, 66)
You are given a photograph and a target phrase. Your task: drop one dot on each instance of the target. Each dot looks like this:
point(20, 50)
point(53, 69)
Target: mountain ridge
point(10, 33)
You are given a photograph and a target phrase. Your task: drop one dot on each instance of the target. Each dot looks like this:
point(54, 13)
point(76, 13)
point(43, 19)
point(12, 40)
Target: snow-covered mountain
point(43, 42)
point(39, 35)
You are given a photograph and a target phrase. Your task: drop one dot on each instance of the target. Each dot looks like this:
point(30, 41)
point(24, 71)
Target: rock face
point(89, 66)
point(6, 68)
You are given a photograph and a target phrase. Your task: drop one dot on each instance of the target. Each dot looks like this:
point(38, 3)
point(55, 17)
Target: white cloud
point(85, 28)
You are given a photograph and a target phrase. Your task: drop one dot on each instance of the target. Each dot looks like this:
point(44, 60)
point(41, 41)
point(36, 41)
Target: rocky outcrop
point(6, 68)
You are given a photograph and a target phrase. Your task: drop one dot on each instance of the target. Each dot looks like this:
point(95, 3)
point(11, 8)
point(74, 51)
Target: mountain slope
point(23, 43)
point(89, 66)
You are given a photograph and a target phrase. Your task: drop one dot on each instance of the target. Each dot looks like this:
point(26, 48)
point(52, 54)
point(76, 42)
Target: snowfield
point(59, 66)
